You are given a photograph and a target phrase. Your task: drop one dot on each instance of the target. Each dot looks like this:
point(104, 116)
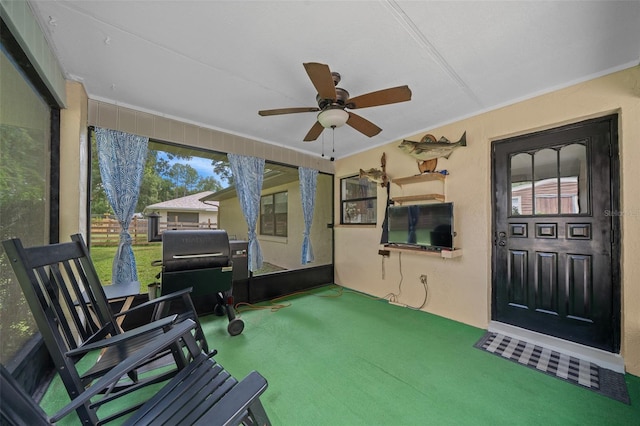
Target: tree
point(185, 177)
point(153, 186)
point(223, 169)
point(209, 183)
point(23, 193)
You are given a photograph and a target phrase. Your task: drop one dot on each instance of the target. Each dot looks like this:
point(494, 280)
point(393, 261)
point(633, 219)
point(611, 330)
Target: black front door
point(555, 223)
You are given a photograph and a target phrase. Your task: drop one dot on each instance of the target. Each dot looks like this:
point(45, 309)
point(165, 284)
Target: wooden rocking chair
point(203, 393)
point(73, 315)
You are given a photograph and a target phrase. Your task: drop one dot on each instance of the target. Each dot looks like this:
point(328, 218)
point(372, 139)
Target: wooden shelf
point(446, 254)
point(450, 254)
point(421, 197)
point(424, 177)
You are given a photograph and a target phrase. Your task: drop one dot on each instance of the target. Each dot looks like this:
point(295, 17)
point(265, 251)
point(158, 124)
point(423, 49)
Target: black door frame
point(614, 213)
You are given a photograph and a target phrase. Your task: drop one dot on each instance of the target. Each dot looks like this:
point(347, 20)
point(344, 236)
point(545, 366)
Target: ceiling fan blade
point(280, 111)
point(314, 132)
point(320, 76)
point(363, 125)
point(381, 97)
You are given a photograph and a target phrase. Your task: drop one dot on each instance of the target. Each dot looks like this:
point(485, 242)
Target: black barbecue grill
point(200, 259)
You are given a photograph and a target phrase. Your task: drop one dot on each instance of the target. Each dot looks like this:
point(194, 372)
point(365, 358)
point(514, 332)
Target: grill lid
point(194, 249)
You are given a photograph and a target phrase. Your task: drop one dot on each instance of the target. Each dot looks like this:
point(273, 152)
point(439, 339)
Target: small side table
point(124, 293)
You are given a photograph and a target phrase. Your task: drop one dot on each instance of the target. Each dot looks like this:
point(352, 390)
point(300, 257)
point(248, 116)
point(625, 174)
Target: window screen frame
point(346, 198)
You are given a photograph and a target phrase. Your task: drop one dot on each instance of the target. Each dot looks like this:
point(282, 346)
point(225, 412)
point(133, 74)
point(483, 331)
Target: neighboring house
point(187, 210)
point(546, 195)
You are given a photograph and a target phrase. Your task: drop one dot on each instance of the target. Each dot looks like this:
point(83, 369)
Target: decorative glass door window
point(551, 181)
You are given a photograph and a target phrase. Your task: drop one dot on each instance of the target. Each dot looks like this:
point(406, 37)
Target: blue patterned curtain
point(121, 158)
point(247, 175)
point(308, 184)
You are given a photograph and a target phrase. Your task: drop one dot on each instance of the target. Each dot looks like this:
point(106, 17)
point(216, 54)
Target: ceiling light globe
point(334, 117)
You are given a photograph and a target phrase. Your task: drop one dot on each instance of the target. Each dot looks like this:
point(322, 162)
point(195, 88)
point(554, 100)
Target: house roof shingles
point(190, 202)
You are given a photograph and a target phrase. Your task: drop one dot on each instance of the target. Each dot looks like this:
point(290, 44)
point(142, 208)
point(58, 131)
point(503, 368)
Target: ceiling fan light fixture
point(333, 117)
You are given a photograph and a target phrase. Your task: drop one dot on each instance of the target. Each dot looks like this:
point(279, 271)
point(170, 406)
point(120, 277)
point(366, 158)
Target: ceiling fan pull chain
point(333, 143)
point(323, 146)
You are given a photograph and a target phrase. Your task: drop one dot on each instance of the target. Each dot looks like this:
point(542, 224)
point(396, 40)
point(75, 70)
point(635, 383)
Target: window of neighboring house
point(516, 205)
point(188, 217)
point(273, 214)
point(27, 202)
point(358, 201)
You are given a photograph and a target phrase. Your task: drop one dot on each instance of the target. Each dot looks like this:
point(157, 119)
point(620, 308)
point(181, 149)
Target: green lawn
point(103, 260)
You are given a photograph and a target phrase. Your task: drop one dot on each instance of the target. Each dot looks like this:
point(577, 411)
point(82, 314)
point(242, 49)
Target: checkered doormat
point(577, 371)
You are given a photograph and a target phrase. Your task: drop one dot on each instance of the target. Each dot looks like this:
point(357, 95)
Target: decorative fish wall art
point(377, 175)
point(374, 175)
point(428, 150)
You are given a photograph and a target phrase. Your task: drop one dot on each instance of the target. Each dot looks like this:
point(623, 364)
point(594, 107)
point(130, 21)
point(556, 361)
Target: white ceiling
point(216, 63)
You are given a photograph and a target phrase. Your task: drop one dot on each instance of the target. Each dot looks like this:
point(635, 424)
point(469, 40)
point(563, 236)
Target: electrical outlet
point(423, 279)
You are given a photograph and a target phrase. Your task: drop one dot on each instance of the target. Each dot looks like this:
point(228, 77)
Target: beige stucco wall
point(230, 219)
point(285, 251)
point(460, 288)
point(74, 160)
point(203, 216)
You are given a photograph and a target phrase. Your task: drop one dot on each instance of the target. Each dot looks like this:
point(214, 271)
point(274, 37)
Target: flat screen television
point(424, 226)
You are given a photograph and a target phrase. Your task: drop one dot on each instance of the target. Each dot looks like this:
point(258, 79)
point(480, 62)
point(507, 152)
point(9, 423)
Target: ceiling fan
point(334, 101)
